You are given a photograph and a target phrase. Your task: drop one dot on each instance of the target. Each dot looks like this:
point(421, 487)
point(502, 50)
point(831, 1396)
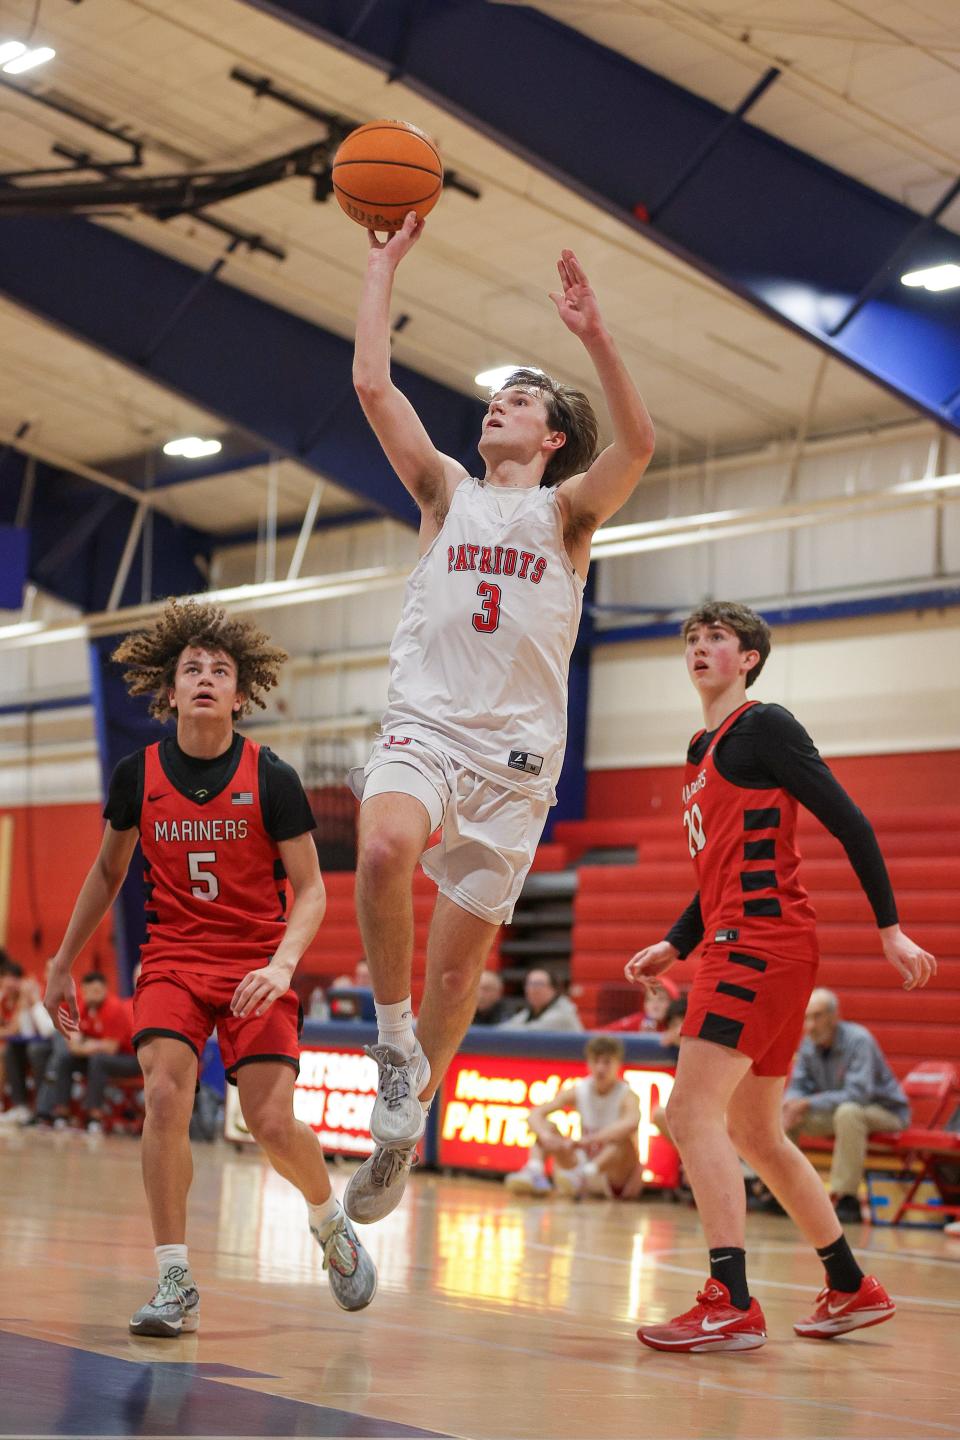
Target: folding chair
point(933, 1089)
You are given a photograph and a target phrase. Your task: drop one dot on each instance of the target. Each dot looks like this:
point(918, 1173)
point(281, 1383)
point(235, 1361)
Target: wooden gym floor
point(495, 1318)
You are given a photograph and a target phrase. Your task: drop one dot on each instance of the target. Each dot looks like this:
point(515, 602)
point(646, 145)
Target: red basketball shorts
point(186, 1006)
point(753, 1002)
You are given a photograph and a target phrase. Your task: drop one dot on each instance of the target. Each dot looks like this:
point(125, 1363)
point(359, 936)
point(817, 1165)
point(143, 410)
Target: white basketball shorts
point(488, 832)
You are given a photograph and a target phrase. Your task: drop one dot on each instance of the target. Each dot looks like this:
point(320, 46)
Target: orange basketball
point(384, 170)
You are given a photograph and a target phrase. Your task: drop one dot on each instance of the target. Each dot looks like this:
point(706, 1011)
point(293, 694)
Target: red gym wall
point(874, 781)
point(65, 838)
point(62, 841)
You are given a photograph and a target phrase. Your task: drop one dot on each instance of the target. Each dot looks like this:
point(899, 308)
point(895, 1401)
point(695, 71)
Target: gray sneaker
point(377, 1186)
point(173, 1310)
point(398, 1118)
point(352, 1274)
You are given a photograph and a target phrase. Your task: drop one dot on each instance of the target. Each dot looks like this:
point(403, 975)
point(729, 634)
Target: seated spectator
point(605, 1157)
point(492, 1007)
point(11, 976)
point(101, 1047)
point(361, 975)
point(653, 1016)
point(545, 1009)
point(344, 999)
point(27, 1051)
point(842, 1086)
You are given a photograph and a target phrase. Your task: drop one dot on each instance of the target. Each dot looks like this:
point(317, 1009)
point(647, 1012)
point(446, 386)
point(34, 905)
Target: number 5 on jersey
point(693, 821)
point(206, 886)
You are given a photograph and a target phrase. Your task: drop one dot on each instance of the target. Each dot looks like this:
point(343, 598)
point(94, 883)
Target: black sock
point(729, 1266)
point(843, 1272)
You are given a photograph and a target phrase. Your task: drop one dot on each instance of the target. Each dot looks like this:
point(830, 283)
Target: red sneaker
point(839, 1311)
point(712, 1324)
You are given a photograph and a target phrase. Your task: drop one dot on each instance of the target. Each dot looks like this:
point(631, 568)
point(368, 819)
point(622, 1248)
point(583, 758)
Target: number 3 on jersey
point(487, 617)
point(693, 821)
point(205, 885)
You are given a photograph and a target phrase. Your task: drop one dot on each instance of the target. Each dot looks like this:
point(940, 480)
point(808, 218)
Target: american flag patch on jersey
point(242, 797)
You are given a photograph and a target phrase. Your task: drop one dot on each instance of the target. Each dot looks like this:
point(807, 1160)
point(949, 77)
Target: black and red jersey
point(215, 886)
point(743, 846)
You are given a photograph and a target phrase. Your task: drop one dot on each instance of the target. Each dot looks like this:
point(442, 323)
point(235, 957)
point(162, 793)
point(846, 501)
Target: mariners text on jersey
point(194, 830)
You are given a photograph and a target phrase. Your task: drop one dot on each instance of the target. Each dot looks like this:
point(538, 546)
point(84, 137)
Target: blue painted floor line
point(49, 1390)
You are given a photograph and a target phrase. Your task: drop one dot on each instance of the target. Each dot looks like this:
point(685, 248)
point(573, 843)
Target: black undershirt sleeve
point(786, 751)
point(686, 933)
point(286, 809)
point(125, 795)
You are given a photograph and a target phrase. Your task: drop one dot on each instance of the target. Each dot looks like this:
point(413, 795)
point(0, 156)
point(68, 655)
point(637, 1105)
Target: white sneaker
point(952, 1229)
point(531, 1180)
point(174, 1309)
point(16, 1115)
point(571, 1183)
point(377, 1187)
point(351, 1272)
point(398, 1118)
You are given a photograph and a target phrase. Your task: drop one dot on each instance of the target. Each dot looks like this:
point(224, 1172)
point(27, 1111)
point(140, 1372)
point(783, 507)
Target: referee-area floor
point(494, 1317)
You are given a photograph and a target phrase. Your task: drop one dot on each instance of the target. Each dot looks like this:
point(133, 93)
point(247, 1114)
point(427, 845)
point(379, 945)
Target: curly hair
point(568, 410)
point(153, 654)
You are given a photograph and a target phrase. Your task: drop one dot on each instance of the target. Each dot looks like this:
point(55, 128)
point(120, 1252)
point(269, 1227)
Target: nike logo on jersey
point(160, 795)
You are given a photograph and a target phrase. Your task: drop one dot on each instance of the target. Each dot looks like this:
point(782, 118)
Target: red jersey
point(743, 845)
point(214, 883)
point(113, 1020)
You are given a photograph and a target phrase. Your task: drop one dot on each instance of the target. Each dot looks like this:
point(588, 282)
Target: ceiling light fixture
point(20, 61)
point(10, 49)
point(492, 379)
point(191, 447)
point(935, 277)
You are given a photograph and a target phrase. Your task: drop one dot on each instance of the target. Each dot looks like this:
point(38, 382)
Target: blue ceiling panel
point(285, 382)
point(807, 245)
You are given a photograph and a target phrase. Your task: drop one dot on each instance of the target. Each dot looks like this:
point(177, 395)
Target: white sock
point(325, 1215)
point(169, 1256)
point(535, 1162)
point(395, 1026)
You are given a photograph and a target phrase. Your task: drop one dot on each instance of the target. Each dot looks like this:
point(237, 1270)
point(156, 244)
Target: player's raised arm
point(600, 491)
point(97, 894)
point(421, 467)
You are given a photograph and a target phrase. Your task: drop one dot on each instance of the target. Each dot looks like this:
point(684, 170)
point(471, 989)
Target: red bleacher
point(337, 946)
point(619, 908)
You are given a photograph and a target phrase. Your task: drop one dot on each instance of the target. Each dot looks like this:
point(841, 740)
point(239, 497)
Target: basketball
point(384, 170)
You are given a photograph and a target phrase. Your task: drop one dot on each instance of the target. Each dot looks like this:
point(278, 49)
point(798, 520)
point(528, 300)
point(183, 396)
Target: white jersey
point(480, 658)
point(598, 1111)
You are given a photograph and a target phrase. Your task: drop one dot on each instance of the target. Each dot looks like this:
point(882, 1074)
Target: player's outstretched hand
point(258, 989)
point(913, 963)
point(576, 304)
point(648, 964)
point(60, 1001)
point(401, 242)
